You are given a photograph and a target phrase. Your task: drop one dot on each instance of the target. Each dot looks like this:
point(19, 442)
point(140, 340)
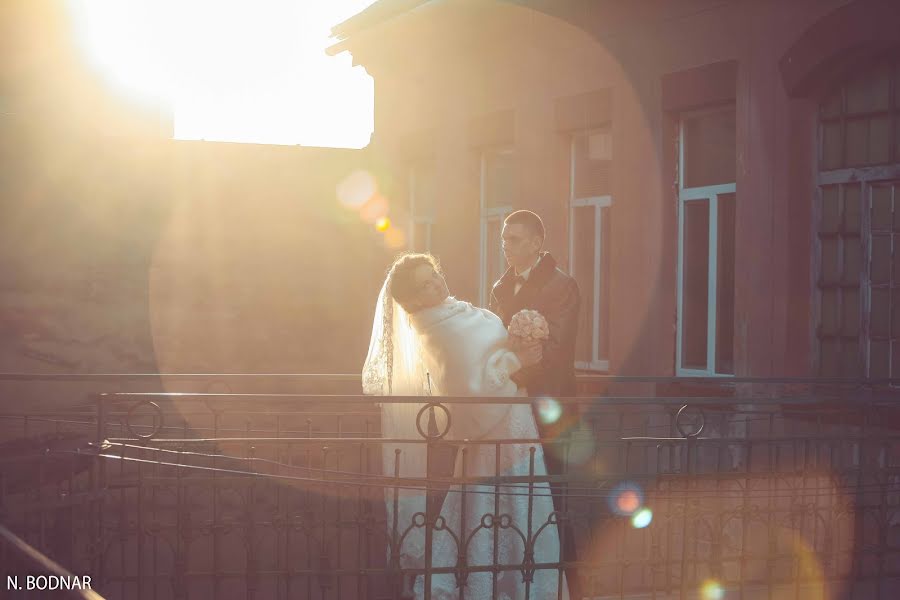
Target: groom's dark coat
point(555, 295)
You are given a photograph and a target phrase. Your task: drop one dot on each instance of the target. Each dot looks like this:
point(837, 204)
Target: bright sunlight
point(234, 70)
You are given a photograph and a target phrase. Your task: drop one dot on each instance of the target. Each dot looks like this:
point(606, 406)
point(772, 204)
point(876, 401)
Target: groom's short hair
point(530, 220)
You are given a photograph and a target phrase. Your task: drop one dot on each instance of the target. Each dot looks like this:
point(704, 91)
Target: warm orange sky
point(234, 70)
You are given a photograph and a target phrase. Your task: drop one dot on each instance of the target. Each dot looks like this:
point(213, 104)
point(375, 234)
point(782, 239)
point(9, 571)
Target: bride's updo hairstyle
point(402, 286)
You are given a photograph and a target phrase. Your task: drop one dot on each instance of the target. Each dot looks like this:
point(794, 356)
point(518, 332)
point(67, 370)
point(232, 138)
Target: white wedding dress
point(463, 351)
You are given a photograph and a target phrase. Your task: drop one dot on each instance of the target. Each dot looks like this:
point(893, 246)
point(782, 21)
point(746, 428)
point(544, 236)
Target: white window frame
point(599, 203)
point(414, 218)
point(487, 216)
point(689, 194)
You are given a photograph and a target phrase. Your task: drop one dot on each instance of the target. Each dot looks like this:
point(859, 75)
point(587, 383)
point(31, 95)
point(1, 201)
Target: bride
point(426, 342)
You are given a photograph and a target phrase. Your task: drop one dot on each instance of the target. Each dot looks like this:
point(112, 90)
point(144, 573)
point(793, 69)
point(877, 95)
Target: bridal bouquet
point(529, 326)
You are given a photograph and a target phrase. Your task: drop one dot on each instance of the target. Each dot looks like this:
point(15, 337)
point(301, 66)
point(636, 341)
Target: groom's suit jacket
point(555, 295)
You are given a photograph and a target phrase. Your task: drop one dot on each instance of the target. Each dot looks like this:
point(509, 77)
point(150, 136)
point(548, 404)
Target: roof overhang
point(374, 16)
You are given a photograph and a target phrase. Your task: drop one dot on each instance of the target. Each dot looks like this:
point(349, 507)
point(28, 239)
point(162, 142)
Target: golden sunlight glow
point(233, 70)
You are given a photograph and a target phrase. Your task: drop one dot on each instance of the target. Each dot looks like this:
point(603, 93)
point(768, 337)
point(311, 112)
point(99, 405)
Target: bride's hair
point(401, 276)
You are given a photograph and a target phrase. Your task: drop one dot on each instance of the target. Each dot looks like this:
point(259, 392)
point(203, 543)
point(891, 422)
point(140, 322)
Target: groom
point(533, 281)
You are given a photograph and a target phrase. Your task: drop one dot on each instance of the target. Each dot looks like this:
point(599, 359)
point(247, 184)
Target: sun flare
point(233, 70)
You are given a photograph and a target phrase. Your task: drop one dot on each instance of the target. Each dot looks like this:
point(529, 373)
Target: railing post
point(100, 400)
point(429, 513)
point(433, 437)
point(395, 532)
point(690, 436)
point(98, 483)
point(685, 526)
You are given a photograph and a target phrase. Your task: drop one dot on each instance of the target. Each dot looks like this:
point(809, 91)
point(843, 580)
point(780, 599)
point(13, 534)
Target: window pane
point(831, 210)
point(895, 359)
point(850, 360)
point(851, 206)
point(583, 263)
point(895, 266)
point(494, 266)
point(881, 311)
point(830, 257)
point(605, 237)
point(725, 286)
point(593, 162)
point(880, 270)
point(852, 260)
point(897, 212)
point(879, 140)
point(857, 142)
point(897, 137)
point(850, 316)
point(879, 359)
point(882, 208)
point(695, 285)
point(896, 76)
point(709, 149)
point(895, 316)
point(829, 318)
point(499, 183)
point(832, 146)
point(830, 361)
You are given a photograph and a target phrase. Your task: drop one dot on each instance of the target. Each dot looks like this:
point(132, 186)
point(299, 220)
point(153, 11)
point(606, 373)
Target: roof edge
point(373, 15)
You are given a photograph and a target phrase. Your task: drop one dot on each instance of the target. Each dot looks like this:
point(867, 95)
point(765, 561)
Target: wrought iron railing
point(755, 494)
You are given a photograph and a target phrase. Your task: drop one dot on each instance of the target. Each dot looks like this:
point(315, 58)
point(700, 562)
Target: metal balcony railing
point(758, 488)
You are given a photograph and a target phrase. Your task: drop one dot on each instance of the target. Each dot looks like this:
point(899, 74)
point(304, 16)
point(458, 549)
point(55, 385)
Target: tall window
point(421, 205)
point(589, 233)
point(857, 268)
point(497, 190)
point(706, 190)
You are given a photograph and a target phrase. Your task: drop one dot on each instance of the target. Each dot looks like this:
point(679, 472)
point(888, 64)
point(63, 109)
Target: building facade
point(718, 176)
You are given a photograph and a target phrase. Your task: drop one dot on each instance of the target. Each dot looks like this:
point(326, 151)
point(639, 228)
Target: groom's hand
point(529, 353)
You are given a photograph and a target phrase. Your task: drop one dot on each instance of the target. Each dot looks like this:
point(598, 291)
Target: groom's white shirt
point(524, 275)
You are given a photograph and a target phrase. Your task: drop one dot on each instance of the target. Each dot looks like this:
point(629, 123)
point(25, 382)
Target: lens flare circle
point(394, 238)
point(383, 224)
point(626, 499)
point(711, 590)
point(356, 189)
point(580, 447)
point(374, 209)
point(642, 518)
point(549, 410)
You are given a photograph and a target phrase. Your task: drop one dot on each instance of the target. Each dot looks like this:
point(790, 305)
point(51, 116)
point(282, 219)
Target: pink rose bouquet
point(529, 326)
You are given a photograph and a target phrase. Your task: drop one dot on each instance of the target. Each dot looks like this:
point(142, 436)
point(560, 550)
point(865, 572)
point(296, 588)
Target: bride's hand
point(530, 354)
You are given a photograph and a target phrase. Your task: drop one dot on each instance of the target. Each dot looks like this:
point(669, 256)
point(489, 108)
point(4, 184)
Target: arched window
point(858, 226)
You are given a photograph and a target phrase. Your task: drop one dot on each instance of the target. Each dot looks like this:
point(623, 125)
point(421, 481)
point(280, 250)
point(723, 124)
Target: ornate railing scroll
point(787, 493)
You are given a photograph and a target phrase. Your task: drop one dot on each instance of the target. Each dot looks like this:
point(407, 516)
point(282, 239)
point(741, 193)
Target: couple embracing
point(425, 342)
